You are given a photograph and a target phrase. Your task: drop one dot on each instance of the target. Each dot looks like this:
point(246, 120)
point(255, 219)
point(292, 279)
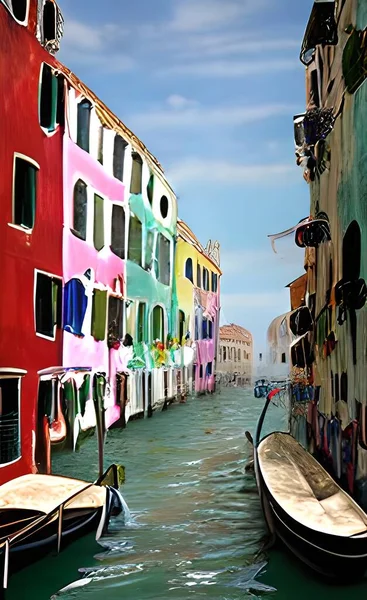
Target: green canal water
point(195, 529)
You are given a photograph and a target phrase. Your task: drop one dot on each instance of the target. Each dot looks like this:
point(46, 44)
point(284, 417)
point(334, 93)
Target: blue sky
point(211, 87)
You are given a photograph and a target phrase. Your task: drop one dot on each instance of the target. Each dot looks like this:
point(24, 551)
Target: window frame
point(141, 328)
point(83, 100)
point(136, 159)
point(140, 264)
point(164, 323)
point(192, 269)
point(74, 231)
point(51, 276)
point(34, 164)
point(10, 10)
point(158, 258)
point(49, 131)
point(125, 145)
point(96, 198)
point(126, 232)
point(6, 373)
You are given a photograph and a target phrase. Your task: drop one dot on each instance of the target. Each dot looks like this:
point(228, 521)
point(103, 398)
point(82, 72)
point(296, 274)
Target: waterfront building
point(328, 357)
point(198, 299)
point(235, 355)
point(89, 318)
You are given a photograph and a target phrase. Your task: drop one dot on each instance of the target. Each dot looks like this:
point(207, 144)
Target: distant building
point(235, 354)
point(279, 338)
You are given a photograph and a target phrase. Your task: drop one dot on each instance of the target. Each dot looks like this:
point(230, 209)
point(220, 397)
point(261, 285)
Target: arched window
point(239, 355)
point(49, 21)
point(234, 354)
point(205, 279)
point(164, 206)
point(80, 210)
point(119, 147)
point(150, 188)
point(136, 174)
point(198, 276)
point(189, 270)
point(83, 134)
point(158, 324)
point(352, 252)
point(20, 8)
point(181, 325)
point(224, 354)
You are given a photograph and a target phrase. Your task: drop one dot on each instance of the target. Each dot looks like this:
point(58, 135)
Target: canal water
point(195, 528)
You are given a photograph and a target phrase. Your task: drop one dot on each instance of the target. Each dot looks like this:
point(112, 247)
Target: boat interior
point(305, 491)
point(26, 498)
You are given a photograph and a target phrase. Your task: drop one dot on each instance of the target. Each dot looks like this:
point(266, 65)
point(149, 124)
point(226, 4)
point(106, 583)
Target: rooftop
point(235, 332)
point(185, 233)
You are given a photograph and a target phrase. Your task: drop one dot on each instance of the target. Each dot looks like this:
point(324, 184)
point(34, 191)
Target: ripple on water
point(195, 521)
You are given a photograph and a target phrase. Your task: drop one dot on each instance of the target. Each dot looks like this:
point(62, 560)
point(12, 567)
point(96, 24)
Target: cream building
point(235, 354)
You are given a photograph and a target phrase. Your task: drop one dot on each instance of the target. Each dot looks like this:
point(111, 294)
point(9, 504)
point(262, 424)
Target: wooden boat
point(42, 512)
point(304, 507)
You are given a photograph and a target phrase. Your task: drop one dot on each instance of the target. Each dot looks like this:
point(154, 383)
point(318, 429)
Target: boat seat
point(44, 493)
point(303, 488)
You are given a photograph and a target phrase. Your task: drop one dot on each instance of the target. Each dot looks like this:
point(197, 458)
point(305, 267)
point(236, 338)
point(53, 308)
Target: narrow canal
point(195, 528)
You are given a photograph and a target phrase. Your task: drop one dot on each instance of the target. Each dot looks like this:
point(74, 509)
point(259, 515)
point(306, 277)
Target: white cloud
point(95, 46)
point(245, 262)
point(201, 15)
point(178, 102)
point(230, 68)
point(275, 300)
point(221, 171)
point(184, 113)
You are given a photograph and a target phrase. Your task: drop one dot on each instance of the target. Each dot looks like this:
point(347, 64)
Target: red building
point(31, 208)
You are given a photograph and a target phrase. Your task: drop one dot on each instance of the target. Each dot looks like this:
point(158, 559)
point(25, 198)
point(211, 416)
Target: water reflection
point(195, 528)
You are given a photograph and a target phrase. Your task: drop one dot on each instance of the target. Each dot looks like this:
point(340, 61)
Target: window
point(205, 279)
point(284, 358)
point(204, 329)
point(135, 240)
point(80, 210)
point(149, 250)
point(158, 323)
point(9, 419)
point(150, 188)
point(244, 354)
point(198, 276)
point(164, 206)
point(209, 369)
point(49, 21)
point(51, 99)
point(189, 270)
point(25, 192)
point(210, 330)
point(119, 157)
point(83, 134)
point(118, 231)
point(214, 282)
point(181, 325)
point(116, 317)
point(234, 354)
point(197, 331)
point(99, 314)
point(201, 372)
point(141, 330)
point(100, 144)
point(98, 234)
point(19, 9)
point(224, 354)
point(48, 304)
point(164, 259)
point(136, 174)
point(239, 355)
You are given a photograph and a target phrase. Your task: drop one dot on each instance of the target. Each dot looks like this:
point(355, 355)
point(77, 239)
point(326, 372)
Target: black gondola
point(42, 512)
point(304, 507)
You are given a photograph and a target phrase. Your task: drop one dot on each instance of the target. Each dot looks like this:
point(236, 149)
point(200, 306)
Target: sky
point(211, 87)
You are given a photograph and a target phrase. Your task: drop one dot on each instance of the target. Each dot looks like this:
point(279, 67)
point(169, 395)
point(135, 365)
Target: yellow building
point(198, 295)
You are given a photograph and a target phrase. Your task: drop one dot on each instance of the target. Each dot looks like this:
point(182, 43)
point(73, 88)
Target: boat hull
point(334, 557)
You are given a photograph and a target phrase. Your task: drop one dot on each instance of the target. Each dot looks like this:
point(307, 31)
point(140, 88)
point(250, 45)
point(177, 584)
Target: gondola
point(304, 507)
point(262, 388)
point(39, 513)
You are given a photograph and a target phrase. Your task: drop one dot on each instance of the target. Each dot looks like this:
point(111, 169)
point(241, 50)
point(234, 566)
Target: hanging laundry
point(75, 306)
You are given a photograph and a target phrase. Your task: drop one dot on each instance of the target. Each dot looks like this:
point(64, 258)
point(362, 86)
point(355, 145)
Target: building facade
point(198, 299)
point(235, 354)
point(90, 329)
point(328, 356)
